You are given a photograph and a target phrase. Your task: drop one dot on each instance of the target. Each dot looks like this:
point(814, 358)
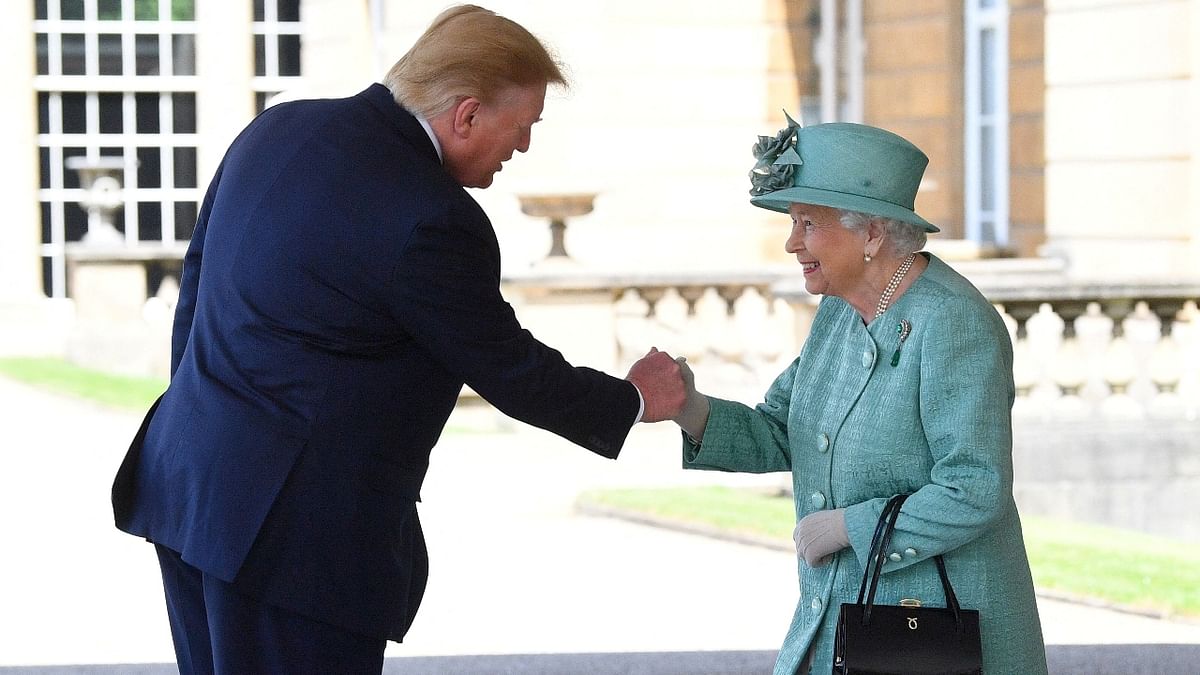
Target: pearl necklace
point(886, 298)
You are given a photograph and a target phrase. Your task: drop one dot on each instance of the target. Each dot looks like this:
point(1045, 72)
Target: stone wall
point(1128, 474)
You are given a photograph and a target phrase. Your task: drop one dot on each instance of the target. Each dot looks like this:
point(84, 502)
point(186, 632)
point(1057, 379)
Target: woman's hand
point(819, 535)
point(694, 415)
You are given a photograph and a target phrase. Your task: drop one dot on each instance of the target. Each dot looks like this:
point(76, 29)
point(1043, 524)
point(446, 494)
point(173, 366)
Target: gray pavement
point(520, 582)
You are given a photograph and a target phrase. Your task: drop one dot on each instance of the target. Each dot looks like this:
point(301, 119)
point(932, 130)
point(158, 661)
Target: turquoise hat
point(840, 165)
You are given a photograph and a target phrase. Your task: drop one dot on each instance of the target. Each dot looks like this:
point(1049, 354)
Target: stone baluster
point(1165, 361)
point(1067, 368)
point(1025, 367)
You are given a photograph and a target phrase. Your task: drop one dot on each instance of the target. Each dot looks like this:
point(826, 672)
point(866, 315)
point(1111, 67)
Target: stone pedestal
point(112, 330)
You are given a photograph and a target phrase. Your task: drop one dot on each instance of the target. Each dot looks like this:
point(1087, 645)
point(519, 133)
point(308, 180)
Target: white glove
point(694, 416)
point(819, 535)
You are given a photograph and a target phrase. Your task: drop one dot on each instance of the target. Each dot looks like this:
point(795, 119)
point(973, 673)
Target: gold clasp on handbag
point(910, 602)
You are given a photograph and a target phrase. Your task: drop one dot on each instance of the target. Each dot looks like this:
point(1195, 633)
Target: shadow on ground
point(1144, 659)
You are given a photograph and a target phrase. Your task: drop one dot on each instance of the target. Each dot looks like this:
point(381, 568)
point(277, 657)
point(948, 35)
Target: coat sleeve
point(740, 438)
point(966, 397)
point(445, 292)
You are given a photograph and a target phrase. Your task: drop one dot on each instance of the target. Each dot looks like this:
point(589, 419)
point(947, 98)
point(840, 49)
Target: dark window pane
point(260, 100)
point(72, 9)
point(43, 112)
point(184, 108)
point(260, 55)
point(46, 223)
point(44, 157)
point(145, 48)
point(72, 54)
point(183, 54)
point(149, 171)
point(288, 10)
point(147, 113)
point(75, 220)
point(185, 220)
point(111, 117)
point(71, 176)
point(113, 152)
point(149, 221)
point(74, 111)
point(108, 10)
point(185, 167)
point(145, 10)
point(43, 54)
point(39, 10)
point(289, 55)
point(110, 54)
point(259, 13)
point(183, 10)
point(47, 276)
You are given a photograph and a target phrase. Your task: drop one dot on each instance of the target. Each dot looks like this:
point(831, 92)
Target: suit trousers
point(219, 631)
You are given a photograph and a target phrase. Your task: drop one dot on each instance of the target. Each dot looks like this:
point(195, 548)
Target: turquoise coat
point(854, 429)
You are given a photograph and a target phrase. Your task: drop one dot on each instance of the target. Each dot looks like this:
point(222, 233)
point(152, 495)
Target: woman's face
point(831, 255)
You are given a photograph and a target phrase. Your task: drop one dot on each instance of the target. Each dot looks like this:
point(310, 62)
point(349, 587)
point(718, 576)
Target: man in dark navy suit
point(339, 290)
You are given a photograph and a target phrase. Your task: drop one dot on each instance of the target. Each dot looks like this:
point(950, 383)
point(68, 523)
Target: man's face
point(498, 129)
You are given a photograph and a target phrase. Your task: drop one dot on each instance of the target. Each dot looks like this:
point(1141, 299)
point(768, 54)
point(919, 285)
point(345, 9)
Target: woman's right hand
point(694, 415)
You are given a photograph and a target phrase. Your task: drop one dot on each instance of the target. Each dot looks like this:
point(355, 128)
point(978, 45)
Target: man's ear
point(464, 116)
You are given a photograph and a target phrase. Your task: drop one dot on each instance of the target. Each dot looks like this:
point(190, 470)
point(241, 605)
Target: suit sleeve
point(966, 395)
point(189, 283)
point(445, 291)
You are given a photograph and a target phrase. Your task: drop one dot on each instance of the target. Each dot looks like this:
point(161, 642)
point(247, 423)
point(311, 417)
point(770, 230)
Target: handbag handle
point(880, 542)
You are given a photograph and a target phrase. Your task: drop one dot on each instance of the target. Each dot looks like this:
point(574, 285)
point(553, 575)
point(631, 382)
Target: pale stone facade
point(1122, 140)
point(667, 97)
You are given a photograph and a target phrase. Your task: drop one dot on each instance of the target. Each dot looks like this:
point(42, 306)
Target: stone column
point(338, 58)
point(1193, 215)
point(30, 323)
point(20, 261)
point(1120, 138)
point(224, 69)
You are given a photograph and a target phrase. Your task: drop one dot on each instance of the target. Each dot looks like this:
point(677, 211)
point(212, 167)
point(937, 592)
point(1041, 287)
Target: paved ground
point(516, 573)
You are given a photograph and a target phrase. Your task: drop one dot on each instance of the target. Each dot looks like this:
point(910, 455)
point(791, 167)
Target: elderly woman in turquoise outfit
point(904, 385)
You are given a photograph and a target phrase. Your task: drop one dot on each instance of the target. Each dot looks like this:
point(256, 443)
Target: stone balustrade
point(1128, 351)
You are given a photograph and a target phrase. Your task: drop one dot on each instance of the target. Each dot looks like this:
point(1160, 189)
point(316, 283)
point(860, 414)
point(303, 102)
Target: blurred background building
point(1065, 174)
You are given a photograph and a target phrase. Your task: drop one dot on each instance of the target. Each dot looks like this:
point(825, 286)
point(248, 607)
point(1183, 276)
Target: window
point(986, 123)
point(276, 48)
point(116, 84)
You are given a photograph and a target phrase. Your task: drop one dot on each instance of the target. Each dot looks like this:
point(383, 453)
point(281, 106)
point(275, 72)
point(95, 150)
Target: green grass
point(742, 512)
point(1116, 567)
point(1123, 567)
point(59, 376)
point(115, 391)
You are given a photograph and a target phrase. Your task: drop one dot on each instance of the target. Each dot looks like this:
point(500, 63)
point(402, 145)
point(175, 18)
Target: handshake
point(668, 389)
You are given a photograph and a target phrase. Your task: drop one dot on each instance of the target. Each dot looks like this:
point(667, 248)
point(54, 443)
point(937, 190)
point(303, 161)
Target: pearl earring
point(866, 257)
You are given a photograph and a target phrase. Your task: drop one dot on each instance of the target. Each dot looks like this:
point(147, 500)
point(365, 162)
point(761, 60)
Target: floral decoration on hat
point(777, 160)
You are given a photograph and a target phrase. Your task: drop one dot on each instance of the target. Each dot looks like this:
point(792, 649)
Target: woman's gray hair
point(905, 237)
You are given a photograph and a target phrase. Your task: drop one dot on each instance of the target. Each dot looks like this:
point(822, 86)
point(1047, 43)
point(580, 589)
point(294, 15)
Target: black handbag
point(904, 639)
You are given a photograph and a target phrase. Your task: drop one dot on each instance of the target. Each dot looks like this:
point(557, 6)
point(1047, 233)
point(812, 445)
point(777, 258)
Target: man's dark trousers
point(210, 617)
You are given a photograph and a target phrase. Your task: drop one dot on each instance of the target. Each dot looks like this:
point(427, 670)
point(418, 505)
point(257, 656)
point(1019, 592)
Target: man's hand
point(821, 534)
point(657, 376)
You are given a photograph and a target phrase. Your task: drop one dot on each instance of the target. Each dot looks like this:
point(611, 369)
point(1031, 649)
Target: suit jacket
point(338, 291)
point(862, 415)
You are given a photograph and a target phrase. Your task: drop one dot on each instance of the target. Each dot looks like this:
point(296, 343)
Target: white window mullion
point(986, 168)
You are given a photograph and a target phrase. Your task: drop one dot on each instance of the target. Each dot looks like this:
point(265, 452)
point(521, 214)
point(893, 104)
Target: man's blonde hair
point(468, 51)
